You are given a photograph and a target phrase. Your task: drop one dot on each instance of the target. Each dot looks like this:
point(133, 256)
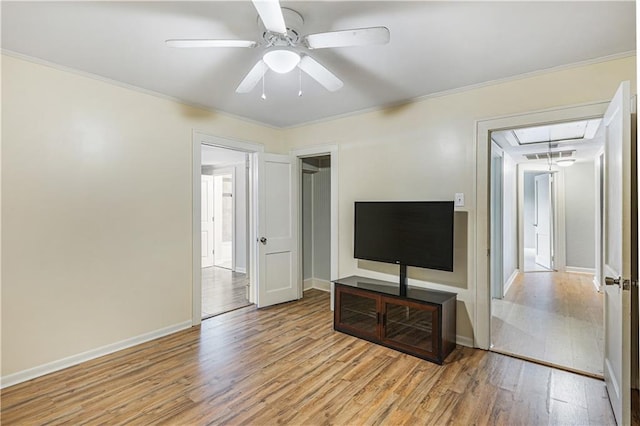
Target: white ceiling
point(435, 46)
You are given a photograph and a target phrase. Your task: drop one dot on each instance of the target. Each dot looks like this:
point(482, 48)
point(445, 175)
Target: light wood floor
point(286, 365)
point(223, 291)
point(554, 317)
point(530, 264)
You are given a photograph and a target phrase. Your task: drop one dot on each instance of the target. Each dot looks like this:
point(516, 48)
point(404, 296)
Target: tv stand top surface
point(393, 289)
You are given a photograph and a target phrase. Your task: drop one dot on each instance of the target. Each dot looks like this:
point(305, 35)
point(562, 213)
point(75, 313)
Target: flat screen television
point(407, 233)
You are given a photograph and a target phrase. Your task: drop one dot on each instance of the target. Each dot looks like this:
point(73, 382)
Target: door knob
point(624, 284)
point(263, 240)
point(612, 281)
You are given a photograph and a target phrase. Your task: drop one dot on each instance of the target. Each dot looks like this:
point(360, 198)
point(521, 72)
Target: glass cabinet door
point(358, 312)
point(410, 326)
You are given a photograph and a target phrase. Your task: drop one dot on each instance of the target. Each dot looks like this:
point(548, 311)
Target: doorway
point(550, 310)
point(318, 166)
point(225, 230)
point(538, 218)
point(316, 222)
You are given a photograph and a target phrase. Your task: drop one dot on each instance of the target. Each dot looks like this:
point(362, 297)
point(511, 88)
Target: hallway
point(223, 291)
point(554, 317)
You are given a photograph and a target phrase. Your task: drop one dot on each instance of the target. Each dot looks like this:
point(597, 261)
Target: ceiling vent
point(546, 154)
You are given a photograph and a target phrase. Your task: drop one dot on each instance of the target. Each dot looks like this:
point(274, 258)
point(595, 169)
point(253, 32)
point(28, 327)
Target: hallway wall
point(580, 213)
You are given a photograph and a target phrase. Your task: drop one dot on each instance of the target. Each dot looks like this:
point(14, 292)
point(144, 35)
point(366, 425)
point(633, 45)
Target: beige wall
point(96, 211)
point(96, 194)
point(426, 151)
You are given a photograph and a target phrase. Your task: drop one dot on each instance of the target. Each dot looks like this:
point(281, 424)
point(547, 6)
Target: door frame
point(496, 200)
point(484, 127)
point(319, 151)
point(254, 150)
point(598, 278)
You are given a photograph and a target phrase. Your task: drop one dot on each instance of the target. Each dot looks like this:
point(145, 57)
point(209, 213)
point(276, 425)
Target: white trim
point(580, 270)
point(479, 228)
point(510, 281)
point(241, 270)
point(196, 228)
point(596, 284)
point(307, 284)
point(51, 367)
point(464, 341)
point(332, 151)
point(317, 284)
point(198, 139)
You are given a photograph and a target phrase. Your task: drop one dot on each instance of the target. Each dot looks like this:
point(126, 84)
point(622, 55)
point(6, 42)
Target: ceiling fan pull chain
point(299, 82)
point(264, 96)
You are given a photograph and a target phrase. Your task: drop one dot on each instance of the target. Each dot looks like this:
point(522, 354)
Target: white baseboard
point(510, 281)
point(50, 367)
point(596, 283)
point(317, 284)
point(578, 270)
point(464, 341)
point(241, 270)
point(307, 284)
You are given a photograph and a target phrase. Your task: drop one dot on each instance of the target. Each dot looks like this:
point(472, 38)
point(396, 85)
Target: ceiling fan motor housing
point(293, 21)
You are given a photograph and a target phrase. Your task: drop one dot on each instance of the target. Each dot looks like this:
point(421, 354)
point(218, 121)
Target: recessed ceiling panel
point(575, 131)
point(551, 133)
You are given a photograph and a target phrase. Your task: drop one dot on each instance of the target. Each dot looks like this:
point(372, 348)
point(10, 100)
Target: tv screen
point(412, 233)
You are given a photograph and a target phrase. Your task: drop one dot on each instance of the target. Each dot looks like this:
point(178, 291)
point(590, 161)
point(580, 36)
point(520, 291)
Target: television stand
point(420, 323)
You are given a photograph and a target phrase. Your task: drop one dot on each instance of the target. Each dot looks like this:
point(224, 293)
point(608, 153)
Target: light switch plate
point(459, 199)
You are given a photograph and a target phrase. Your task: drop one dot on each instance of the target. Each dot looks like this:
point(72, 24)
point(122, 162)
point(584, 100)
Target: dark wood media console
point(422, 323)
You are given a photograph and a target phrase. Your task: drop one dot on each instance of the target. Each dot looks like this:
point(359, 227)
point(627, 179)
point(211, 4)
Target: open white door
point(543, 220)
point(617, 253)
point(277, 230)
point(206, 228)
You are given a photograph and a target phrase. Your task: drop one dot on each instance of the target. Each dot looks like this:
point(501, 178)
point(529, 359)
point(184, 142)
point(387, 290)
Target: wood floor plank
point(286, 365)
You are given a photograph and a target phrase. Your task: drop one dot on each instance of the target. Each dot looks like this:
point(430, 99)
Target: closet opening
point(316, 222)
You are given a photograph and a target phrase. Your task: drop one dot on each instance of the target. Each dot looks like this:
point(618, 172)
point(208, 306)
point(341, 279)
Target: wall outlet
point(459, 199)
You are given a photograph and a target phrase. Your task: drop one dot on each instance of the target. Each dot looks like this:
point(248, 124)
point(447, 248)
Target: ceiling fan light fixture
point(281, 60)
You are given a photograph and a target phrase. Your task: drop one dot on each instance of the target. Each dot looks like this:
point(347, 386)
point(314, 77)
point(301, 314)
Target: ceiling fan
point(285, 46)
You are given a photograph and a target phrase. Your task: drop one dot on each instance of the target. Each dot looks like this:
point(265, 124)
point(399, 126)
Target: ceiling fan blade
point(345, 38)
point(211, 43)
point(319, 73)
point(253, 77)
point(271, 15)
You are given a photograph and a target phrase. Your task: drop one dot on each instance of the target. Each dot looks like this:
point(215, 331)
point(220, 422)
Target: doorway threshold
point(548, 364)
point(230, 310)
